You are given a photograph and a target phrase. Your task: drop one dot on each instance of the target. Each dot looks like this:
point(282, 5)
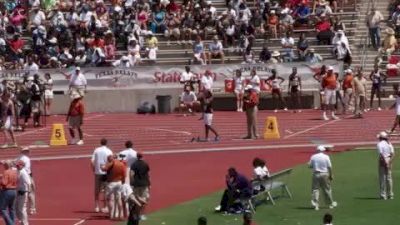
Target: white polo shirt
point(24, 180)
point(385, 149)
point(99, 158)
point(185, 76)
point(27, 162)
point(261, 172)
point(188, 97)
point(130, 156)
point(78, 80)
point(255, 83)
point(207, 82)
point(320, 162)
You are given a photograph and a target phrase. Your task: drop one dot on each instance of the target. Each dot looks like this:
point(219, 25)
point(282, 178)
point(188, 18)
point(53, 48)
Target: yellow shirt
point(389, 42)
point(152, 42)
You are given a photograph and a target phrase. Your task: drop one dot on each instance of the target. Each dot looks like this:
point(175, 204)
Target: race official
point(251, 100)
point(23, 186)
point(78, 82)
point(321, 165)
point(24, 157)
point(386, 155)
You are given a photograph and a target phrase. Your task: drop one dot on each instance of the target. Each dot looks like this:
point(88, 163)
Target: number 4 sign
point(271, 130)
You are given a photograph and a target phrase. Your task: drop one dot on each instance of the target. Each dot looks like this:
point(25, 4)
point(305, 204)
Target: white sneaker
point(324, 117)
point(379, 109)
point(335, 117)
point(104, 210)
point(333, 205)
point(299, 111)
point(275, 110)
point(315, 205)
point(97, 209)
point(218, 208)
point(80, 142)
point(285, 109)
point(143, 217)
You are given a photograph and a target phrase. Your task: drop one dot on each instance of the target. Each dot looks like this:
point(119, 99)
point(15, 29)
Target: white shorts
point(330, 96)
point(238, 91)
point(8, 123)
point(114, 188)
point(208, 117)
point(48, 94)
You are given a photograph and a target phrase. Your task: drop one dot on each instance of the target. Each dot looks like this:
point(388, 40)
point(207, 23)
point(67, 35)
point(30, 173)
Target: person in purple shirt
point(238, 187)
point(302, 13)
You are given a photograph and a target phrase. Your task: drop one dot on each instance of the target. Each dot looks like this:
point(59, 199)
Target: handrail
point(365, 39)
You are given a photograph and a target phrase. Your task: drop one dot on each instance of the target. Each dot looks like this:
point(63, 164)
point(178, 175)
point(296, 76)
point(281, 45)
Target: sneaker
point(218, 208)
point(324, 117)
point(335, 117)
point(315, 205)
point(285, 109)
point(190, 110)
point(80, 142)
point(379, 109)
point(333, 205)
point(216, 138)
point(299, 111)
point(391, 197)
point(143, 217)
point(104, 210)
point(97, 209)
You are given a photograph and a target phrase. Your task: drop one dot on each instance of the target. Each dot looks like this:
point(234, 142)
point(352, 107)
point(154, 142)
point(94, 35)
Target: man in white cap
point(321, 165)
point(251, 101)
point(23, 186)
point(360, 92)
point(75, 117)
point(329, 85)
point(77, 82)
point(32, 189)
point(386, 155)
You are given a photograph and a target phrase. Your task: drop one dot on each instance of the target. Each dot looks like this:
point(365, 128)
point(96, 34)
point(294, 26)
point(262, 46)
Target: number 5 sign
point(271, 130)
point(58, 135)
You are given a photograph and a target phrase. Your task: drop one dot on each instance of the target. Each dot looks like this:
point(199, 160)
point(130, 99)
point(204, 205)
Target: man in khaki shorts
point(77, 82)
point(321, 165)
point(140, 180)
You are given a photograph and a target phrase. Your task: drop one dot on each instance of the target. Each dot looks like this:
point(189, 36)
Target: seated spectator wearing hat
point(216, 50)
point(312, 57)
point(275, 57)
point(323, 28)
point(237, 187)
point(386, 156)
point(75, 117)
point(322, 8)
point(286, 22)
point(302, 46)
point(389, 43)
point(188, 101)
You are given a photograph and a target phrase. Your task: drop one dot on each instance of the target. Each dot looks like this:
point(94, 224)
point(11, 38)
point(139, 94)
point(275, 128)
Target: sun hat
point(321, 148)
point(330, 67)
point(25, 149)
point(275, 54)
point(382, 134)
point(390, 31)
point(78, 68)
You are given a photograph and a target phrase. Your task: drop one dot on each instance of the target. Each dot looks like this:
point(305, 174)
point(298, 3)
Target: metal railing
point(365, 40)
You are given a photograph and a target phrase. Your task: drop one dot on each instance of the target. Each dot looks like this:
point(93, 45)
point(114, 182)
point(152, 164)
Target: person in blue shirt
point(302, 14)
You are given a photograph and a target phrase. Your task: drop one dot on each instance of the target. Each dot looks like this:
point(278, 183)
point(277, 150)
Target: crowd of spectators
point(59, 33)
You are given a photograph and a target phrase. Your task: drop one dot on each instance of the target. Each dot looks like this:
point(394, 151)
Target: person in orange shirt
point(116, 173)
point(75, 117)
point(8, 194)
point(329, 85)
point(347, 89)
point(251, 100)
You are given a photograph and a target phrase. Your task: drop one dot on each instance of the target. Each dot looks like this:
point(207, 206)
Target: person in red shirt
point(329, 86)
point(251, 101)
point(324, 33)
point(75, 117)
point(8, 193)
point(16, 44)
point(347, 89)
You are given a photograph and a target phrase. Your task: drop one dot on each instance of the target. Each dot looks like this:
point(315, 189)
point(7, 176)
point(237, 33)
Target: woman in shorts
point(208, 115)
point(8, 116)
point(295, 89)
point(48, 93)
point(275, 81)
point(239, 88)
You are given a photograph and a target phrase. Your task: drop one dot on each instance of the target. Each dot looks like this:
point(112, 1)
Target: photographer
point(36, 98)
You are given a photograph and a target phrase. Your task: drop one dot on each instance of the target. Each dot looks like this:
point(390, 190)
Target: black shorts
point(294, 89)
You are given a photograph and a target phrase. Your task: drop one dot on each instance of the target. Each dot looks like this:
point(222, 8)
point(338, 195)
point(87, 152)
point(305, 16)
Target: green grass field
point(355, 188)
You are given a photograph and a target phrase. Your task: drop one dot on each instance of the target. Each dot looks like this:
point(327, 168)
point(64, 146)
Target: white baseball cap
point(382, 134)
point(248, 87)
point(321, 148)
point(348, 71)
point(330, 67)
point(78, 68)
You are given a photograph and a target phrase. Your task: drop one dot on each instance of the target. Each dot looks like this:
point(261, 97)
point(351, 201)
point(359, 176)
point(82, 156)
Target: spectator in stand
point(373, 21)
point(322, 9)
point(188, 101)
point(75, 117)
point(209, 24)
point(313, 57)
point(378, 78)
point(216, 50)
point(198, 51)
point(359, 84)
point(77, 82)
point(287, 46)
point(158, 23)
point(275, 57)
point(36, 18)
point(23, 188)
point(239, 90)
point(36, 100)
point(302, 46)
point(98, 160)
point(347, 86)
point(251, 101)
point(8, 186)
point(257, 22)
point(187, 31)
point(329, 85)
point(116, 173)
point(323, 28)
point(173, 23)
point(389, 43)
point(338, 24)
point(229, 33)
point(302, 14)
point(16, 47)
point(286, 22)
point(249, 56)
point(140, 181)
point(265, 55)
point(395, 19)
point(273, 22)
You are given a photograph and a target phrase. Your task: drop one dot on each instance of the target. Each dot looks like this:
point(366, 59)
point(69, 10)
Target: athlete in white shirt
point(386, 155)
point(129, 156)
point(23, 186)
point(207, 81)
point(24, 157)
point(321, 165)
point(99, 159)
point(239, 90)
point(255, 81)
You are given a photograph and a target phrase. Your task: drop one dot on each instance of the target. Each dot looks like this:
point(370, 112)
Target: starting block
point(58, 135)
point(271, 129)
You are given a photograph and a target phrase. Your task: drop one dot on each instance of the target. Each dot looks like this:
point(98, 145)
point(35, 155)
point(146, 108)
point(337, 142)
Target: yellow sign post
point(271, 130)
point(58, 135)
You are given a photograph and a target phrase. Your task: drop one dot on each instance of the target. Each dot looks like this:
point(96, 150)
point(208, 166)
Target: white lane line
point(80, 222)
point(223, 149)
point(55, 219)
point(170, 131)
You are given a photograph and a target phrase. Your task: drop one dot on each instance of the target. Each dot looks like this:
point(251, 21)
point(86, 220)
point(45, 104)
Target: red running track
point(179, 174)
